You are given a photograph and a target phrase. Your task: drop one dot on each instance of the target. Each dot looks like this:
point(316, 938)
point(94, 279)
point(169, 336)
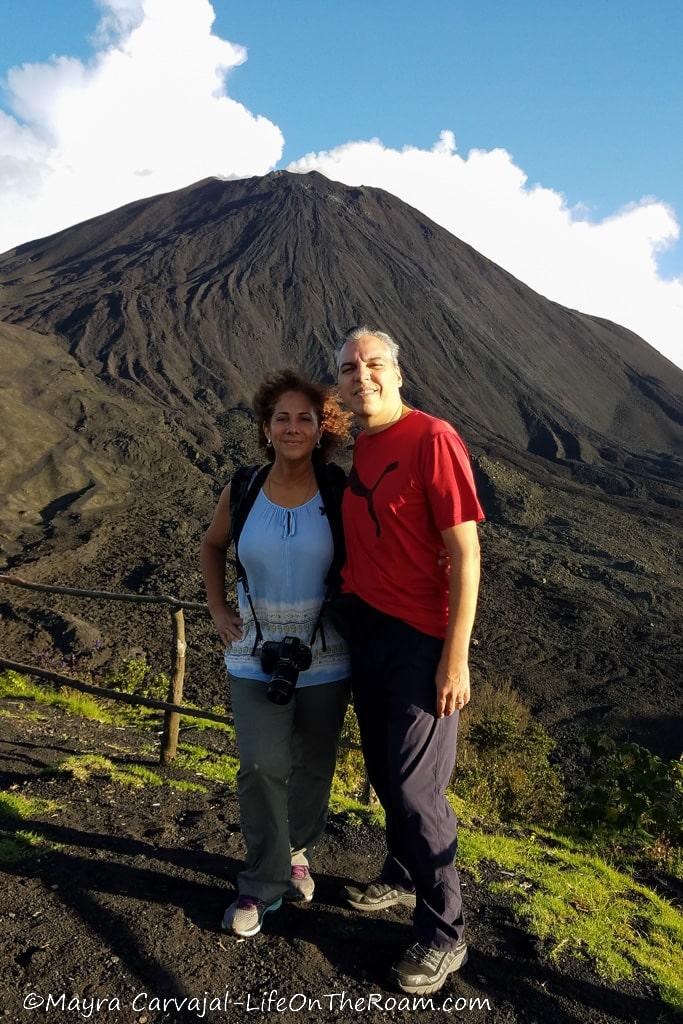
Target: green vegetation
point(183, 786)
point(579, 905)
point(350, 773)
point(17, 844)
point(504, 766)
point(190, 722)
point(15, 807)
point(86, 766)
point(632, 792)
point(20, 687)
point(133, 676)
point(218, 767)
point(348, 783)
point(25, 716)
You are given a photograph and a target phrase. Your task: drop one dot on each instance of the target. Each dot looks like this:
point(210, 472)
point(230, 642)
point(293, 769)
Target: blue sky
point(586, 97)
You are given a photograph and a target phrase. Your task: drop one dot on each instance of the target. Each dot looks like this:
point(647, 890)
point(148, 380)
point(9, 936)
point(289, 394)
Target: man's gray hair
point(359, 332)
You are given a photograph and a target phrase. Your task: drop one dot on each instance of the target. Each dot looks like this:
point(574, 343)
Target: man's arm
point(453, 674)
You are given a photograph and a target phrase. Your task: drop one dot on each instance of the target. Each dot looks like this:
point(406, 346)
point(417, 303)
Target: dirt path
point(125, 906)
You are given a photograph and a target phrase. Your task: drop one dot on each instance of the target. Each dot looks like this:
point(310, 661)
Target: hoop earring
point(317, 443)
point(269, 443)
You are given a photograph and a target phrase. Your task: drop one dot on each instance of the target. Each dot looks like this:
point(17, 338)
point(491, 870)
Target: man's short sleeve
point(448, 480)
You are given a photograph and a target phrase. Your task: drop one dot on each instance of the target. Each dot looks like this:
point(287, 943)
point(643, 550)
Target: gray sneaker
point(377, 896)
point(245, 916)
point(301, 885)
point(423, 970)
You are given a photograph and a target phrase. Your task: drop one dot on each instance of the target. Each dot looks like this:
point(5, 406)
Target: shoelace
point(425, 954)
point(299, 871)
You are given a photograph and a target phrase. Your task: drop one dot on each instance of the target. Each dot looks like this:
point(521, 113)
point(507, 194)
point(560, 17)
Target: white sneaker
point(245, 916)
point(301, 885)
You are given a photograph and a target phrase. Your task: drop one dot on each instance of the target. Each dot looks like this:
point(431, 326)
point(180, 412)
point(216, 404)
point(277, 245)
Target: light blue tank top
point(286, 554)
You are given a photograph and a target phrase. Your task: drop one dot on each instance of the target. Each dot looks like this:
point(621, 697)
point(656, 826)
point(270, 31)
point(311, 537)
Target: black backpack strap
point(244, 488)
point(239, 485)
point(331, 481)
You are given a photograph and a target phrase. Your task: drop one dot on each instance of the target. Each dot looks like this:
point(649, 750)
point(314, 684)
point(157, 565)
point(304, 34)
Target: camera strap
point(258, 639)
point(318, 626)
point(245, 486)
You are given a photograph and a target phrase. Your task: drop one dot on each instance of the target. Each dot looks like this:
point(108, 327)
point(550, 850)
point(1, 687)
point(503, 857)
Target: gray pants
point(287, 759)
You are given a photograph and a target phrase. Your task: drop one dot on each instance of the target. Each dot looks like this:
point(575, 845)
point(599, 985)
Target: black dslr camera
point(283, 660)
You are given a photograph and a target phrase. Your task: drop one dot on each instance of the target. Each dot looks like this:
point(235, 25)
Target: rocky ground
point(125, 903)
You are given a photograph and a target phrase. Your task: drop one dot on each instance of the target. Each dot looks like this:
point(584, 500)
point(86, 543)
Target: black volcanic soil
point(132, 343)
point(130, 898)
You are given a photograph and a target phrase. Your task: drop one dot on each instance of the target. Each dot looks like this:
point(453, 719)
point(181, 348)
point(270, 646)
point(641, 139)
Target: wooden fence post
point(368, 795)
point(169, 739)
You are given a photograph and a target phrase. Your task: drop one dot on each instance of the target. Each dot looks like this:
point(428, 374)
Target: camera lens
point(281, 687)
point(283, 660)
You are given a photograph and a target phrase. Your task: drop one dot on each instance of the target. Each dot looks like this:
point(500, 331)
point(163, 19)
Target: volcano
point(133, 342)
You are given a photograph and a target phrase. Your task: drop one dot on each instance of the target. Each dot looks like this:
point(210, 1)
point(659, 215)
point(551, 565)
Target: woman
point(284, 551)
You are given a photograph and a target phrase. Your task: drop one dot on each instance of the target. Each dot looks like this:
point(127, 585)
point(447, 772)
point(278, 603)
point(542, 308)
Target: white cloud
point(607, 268)
point(149, 113)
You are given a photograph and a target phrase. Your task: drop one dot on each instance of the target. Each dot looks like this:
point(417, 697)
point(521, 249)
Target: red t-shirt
point(408, 483)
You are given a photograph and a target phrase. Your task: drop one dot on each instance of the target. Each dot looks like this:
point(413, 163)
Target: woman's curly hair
point(334, 421)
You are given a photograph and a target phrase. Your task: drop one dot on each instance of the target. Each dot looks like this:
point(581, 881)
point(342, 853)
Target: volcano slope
point(132, 344)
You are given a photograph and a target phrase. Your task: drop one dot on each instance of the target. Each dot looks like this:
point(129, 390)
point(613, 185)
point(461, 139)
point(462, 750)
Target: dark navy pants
point(410, 755)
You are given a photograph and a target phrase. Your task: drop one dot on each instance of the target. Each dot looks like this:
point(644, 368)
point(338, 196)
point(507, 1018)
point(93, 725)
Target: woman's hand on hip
point(228, 624)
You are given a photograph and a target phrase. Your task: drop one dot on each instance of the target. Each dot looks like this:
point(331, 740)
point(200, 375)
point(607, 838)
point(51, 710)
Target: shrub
point(629, 789)
point(134, 675)
point(504, 768)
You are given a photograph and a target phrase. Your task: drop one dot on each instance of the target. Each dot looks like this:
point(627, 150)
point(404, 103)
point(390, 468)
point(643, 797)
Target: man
point(410, 493)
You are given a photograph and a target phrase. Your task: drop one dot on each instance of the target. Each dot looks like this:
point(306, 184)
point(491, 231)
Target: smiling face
point(293, 427)
point(369, 381)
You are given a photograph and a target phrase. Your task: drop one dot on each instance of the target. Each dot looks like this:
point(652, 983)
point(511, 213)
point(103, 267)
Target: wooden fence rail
point(173, 708)
point(106, 595)
point(103, 691)
point(169, 737)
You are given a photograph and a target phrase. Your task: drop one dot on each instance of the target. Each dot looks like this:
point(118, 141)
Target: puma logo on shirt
point(361, 490)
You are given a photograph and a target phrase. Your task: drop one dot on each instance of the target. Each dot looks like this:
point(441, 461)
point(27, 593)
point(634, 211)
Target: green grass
point(190, 722)
point(19, 687)
point(86, 766)
point(24, 716)
point(17, 844)
point(183, 786)
point(19, 847)
point(217, 767)
point(14, 807)
point(356, 812)
point(579, 905)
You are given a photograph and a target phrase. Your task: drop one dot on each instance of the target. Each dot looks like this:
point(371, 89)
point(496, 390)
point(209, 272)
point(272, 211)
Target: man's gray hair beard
point(358, 332)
